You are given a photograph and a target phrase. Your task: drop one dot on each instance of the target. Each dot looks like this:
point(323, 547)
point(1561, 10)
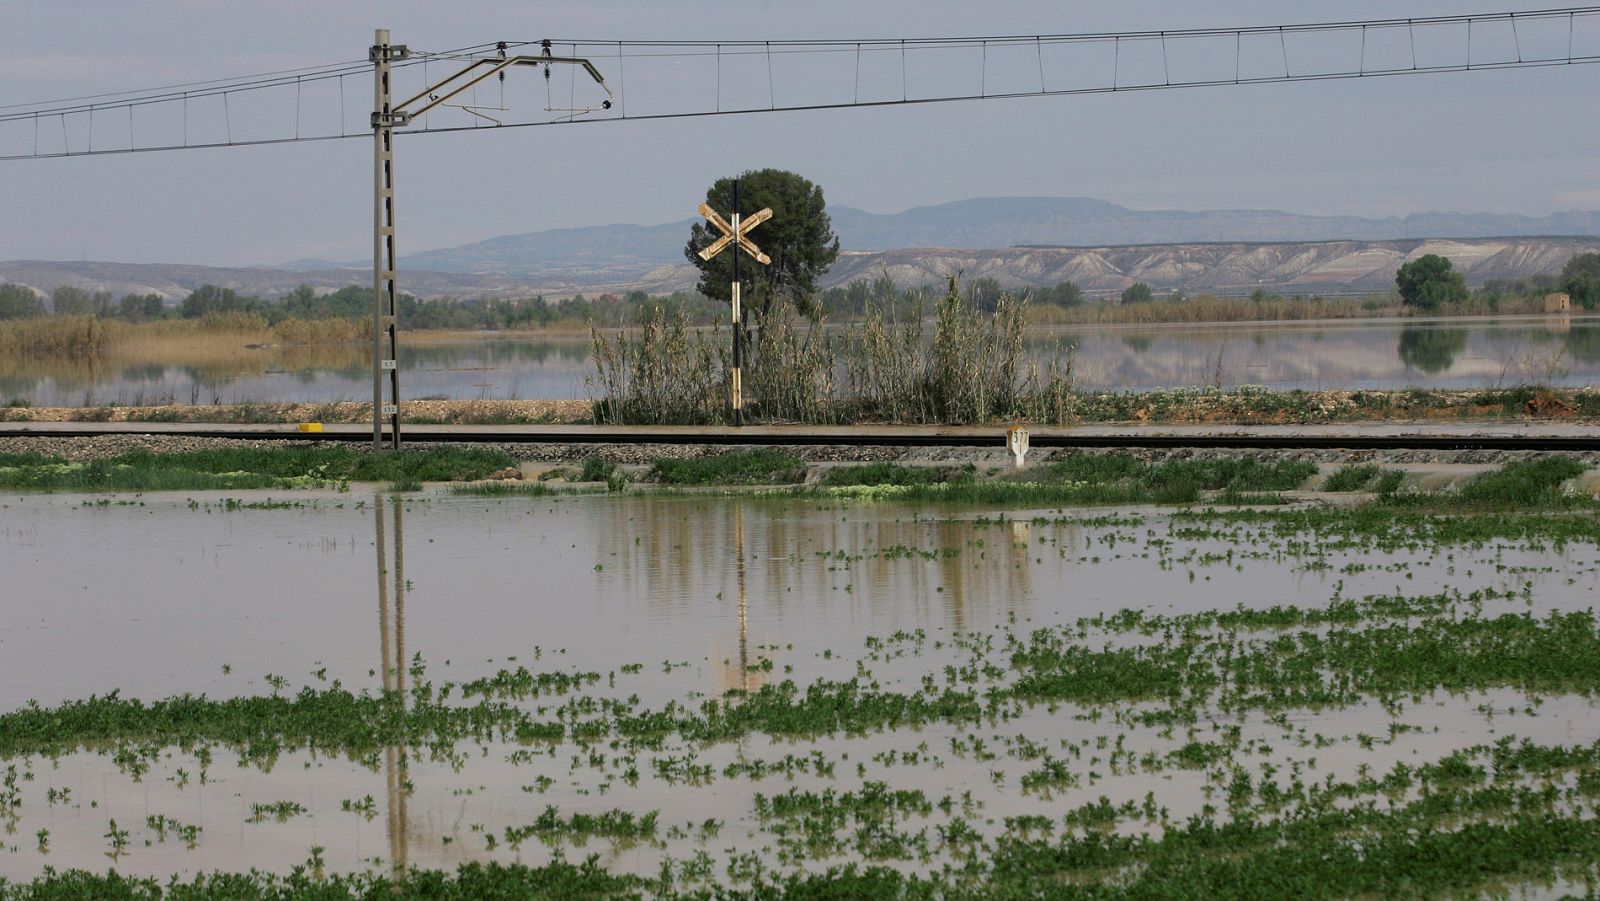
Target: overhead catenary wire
point(1124, 75)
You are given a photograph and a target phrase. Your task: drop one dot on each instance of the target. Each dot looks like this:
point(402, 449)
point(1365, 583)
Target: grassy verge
point(274, 467)
point(1200, 405)
point(756, 467)
point(1364, 477)
point(1081, 480)
point(894, 474)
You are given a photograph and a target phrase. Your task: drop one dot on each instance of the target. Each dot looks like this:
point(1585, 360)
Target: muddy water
point(165, 594)
point(1371, 354)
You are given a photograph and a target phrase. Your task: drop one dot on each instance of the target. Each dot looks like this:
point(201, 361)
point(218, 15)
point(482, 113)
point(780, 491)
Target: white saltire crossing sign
point(735, 233)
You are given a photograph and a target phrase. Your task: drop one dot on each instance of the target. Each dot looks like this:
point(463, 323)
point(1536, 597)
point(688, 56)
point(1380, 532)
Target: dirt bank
point(1243, 406)
point(103, 447)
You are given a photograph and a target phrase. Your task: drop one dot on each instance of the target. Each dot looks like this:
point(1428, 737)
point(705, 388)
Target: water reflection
point(1431, 350)
point(1308, 355)
point(742, 679)
point(764, 566)
point(1583, 343)
point(467, 369)
point(392, 645)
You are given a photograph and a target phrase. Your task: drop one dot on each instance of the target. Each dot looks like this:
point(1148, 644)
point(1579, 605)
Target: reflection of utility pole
point(386, 117)
point(738, 549)
point(392, 645)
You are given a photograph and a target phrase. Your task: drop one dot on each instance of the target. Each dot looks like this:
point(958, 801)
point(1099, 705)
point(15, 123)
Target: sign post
point(735, 233)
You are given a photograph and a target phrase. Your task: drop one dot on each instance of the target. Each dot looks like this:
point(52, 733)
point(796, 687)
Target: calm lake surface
point(665, 599)
point(1371, 354)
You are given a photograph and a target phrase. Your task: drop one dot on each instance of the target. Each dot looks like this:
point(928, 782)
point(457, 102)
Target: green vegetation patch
point(753, 467)
point(250, 467)
point(1388, 526)
point(1533, 483)
point(1173, 669)
point(550, 825)
point(1082, 479)
point(509, 488)
point(471, 882)
point(261, 727)
point(894, 474)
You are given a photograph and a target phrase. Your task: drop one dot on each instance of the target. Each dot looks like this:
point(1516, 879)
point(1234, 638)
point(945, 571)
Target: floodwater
point(170, 593)
point(1365, 354)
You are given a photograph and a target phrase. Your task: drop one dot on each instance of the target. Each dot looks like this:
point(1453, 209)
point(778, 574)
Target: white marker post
point(1017, 443)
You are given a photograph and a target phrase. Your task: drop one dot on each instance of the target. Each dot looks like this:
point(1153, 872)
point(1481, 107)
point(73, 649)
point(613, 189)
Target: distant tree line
point(353, 302)
point(1427, 284)
point(1430, 283)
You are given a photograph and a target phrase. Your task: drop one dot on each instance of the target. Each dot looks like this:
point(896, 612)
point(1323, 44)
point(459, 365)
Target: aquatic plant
point(250, 467)
point(763, 466)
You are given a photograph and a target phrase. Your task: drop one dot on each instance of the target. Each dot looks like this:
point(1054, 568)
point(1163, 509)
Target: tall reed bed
point(58, 336)
point(667, 372)
point(66, 338)
point(963, 365)
point(791, 372)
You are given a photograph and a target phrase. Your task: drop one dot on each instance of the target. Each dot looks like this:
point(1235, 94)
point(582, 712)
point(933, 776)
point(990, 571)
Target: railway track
point(1380, 436)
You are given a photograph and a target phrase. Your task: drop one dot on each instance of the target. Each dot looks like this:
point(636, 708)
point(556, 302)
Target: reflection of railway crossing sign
point(735, 233)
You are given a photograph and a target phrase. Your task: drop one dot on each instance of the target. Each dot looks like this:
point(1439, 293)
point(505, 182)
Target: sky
point(1500, 141)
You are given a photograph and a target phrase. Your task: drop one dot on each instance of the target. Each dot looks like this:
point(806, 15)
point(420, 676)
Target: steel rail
point(1278, 438)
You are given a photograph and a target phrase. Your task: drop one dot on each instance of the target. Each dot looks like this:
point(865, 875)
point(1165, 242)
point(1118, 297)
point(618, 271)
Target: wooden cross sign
point(735, 233)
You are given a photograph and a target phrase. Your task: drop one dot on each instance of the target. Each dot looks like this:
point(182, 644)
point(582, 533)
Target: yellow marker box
point(310, 426)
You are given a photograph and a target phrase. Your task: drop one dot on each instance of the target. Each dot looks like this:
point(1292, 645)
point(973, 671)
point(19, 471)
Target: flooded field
point(425, 680)
point(1372, 354)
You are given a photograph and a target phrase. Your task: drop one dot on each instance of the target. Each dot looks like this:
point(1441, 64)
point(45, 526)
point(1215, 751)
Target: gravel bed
point(103, 446)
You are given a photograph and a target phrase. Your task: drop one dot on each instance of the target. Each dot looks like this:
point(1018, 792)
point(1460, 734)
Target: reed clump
point(323, 331)
point(792, 379)
point(964, 365)
point(667, 373)
point(969, 371)
point(59, 336)
point(81, 339)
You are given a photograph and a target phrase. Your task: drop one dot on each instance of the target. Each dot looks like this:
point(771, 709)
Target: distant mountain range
point(611, 253)
point(1016, 240)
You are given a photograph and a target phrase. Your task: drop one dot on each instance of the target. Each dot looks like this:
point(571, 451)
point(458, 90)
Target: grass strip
point(262, 467)
point(753, 467)
point(1384, 647)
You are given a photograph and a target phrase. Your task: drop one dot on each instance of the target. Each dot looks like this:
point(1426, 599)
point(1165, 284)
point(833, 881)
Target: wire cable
point(295, 126)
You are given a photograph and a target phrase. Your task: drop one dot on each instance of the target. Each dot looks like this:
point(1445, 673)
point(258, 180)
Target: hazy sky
point(1508, 141)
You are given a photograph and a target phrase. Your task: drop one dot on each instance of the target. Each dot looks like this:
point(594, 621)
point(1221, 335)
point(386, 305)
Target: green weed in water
point(893, 474)
point(498, 488)
point(239, 468)
point(754, 467)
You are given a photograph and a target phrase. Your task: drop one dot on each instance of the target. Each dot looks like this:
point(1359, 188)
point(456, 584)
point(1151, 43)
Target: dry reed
point(791, 376)
point(971, 369)
point(58, 336)
point(669, 372)
point(88, 338)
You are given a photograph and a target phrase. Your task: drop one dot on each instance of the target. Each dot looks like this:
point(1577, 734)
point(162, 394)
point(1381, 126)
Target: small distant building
point(1558, 302)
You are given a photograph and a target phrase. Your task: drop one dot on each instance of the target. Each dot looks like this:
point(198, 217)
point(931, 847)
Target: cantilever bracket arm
point(471, 75)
